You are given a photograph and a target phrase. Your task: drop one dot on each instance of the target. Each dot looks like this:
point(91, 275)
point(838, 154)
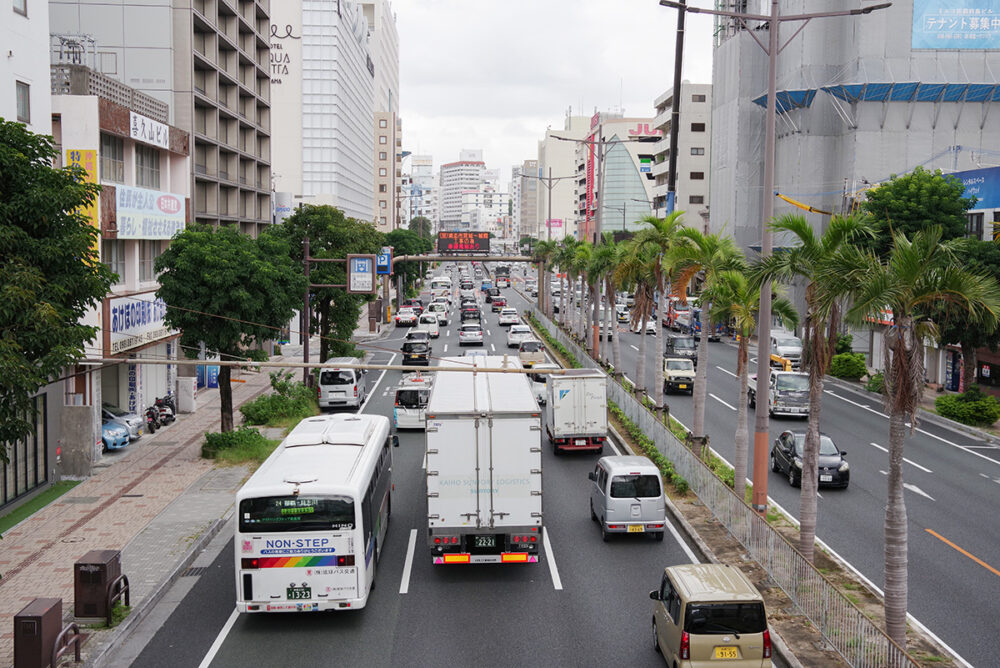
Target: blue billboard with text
point(956, 24)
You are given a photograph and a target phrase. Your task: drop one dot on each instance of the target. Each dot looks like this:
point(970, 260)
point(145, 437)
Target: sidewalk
point(157, 501)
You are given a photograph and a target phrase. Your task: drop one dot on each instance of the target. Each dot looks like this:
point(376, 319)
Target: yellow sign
point(87, 159)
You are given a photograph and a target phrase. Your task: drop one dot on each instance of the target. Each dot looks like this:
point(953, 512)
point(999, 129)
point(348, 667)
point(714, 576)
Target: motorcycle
point(152, 419)
point(165, 407)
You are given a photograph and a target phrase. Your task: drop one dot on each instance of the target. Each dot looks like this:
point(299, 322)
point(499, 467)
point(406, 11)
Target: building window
point(382, 139)
point(382, 171)
point(147, 166)
point(697, 176)
point(149, 250)
point(697, 127)
point(23, 92)
point(382, 155)
point(113, 255)
point(974, 226)
point(696, 199)
point(112, 158)
point(21, 7)
point(381, 204)
point(382, 123)
point(383, 188)
point(697, 151)
point(697, 98)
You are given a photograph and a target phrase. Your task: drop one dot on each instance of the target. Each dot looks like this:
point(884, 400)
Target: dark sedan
point(416, 352)
point(786, 458)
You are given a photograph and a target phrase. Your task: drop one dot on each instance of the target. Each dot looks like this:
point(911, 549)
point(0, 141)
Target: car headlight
point(798, 463)
point(844, 467)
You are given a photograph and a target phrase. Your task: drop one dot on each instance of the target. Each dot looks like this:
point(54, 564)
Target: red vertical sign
point(590, 186)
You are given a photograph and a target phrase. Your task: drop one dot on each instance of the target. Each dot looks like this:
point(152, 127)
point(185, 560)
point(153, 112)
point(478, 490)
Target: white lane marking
point(996, 480)
point(912, 488)
point(908, 461)
point(371, 393)
point(493, 348)
point(726, 371)
point(489, 333)
point(447, 332)
point(633, 347)
point(730, 406)
point(445, 348)
point(922, 431)
point(404, 586)
point(551, 560)
point(219, 639)
point(615, 447)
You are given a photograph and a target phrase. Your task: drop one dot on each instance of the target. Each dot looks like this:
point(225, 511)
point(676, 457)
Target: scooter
point(166, 412)
point(152, 419)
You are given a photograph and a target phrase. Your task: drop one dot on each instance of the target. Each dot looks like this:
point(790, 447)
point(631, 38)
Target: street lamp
point(773, 48)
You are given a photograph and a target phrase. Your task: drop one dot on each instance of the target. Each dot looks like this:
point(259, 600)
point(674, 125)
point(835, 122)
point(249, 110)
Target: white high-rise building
point(558, 159)
point(421, 194)
point(467, 174)
point(484, 209)
point(24, 69)
point(693, 153)
point(388, 158)
point(323, 87)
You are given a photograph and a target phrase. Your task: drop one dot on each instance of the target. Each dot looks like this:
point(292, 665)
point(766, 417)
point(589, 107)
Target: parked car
point(133, 423)
point(114, 436)
point(429, 321)
point(518, 333)
point(508, 316)
point(406, 317)
point(531, 352)
point(416, 352)
point(470, 333)
point(786, 458)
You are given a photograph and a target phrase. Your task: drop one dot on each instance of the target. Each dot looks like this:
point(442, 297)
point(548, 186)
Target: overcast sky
point(494, 74)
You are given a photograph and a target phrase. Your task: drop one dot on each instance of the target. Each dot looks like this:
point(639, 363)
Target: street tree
point(545, 252)
point(917, 271)
point(50, 273)
point(604, 259)
point(563, 260)
point(229, 291)
point(579, 264)
point(408, 242)
point(806, 260)
point(421, 226)
point(636, 270)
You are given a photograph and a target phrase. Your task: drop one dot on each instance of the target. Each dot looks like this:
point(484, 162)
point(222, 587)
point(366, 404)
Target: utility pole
point(774, 20)
point(675, 112)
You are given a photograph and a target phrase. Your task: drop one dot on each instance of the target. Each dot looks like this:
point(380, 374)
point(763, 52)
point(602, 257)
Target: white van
point(626, 496)
point(410, 408)
point(339, 388)
point(429, 321)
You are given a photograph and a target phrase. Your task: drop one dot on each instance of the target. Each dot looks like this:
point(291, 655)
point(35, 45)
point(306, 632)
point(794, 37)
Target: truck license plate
point(636, 528)
point(580, 441)
point(826, 478)
point(485, 541)
point(298, 593)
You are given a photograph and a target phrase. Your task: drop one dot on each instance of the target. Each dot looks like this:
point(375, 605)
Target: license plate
point(581, 441)
point(683, 386)
point(636, 528)
point(298, 593)
point(826, 478)
point(726, 653)
point(413, 357)
point(485, 541)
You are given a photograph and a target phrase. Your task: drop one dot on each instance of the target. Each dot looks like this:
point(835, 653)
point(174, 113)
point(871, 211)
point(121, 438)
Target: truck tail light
point(345, 560)
point(685, 648)
point(767, 644)
point(250, 563)
point(446, 540)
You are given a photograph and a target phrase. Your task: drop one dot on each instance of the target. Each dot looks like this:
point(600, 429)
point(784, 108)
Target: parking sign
point(383, 261)
point(361, 273)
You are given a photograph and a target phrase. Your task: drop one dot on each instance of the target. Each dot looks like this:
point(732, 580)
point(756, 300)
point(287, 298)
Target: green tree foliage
point(850, 366)
point(331, 235)
point(421, 225)
point(915, 201)
point(50, 273)
point(973, 407)
point(407, 242)
point(228, 290)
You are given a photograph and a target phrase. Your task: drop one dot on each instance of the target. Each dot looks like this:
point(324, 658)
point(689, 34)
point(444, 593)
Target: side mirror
point(843, 453)
point(592, 476)
point(655, 595)
point(395, 441)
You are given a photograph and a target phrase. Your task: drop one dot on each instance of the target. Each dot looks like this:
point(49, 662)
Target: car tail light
point(251, 563)
point(767, 644)
point(355, 390)
point(685, 649)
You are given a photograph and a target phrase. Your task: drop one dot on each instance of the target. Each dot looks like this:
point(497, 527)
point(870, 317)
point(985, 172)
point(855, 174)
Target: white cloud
point(493, 75)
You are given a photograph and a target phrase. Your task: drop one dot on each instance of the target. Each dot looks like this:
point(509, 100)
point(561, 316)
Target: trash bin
point(35, 630)
point(92, 578)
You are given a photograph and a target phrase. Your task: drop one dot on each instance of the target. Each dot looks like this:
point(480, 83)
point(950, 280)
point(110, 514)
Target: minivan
point(705, 613)
point(626, 496)
point(531, 352)
point(338, 388)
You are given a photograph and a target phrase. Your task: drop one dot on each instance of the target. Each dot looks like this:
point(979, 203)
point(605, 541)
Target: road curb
point(780, 647)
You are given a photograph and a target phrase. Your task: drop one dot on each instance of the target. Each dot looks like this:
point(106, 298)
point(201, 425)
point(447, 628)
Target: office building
point(24, 68)
point(466, 174)
point(558, 158)
point(693, 153)
point(388, 152)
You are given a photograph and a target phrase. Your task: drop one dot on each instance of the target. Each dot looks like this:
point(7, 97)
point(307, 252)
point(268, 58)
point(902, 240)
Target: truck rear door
point(511, 493)
point(452, 484)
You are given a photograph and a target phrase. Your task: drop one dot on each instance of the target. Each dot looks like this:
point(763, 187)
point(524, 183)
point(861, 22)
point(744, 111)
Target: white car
point(418, 334)
point(406, 316)
point(518, 333)
point(470, 332)
point(440, 310)
point(508, 316)
point(650, 328)
point(429, 321)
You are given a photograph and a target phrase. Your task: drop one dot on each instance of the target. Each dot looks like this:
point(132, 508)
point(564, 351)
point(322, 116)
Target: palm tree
point(603, 261)
point(662, 235)
point(736, 299)
point(915, 274)
point(562, 260)
point(708, 255)
point(546, 251)
point(580, 263)
point(636, 268)
point(806, 261)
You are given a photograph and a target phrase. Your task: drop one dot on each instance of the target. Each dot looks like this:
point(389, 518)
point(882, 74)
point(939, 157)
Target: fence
point(856, 637)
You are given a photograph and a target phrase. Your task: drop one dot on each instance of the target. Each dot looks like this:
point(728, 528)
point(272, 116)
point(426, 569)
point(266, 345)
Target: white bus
point(440, 282)
point(410, 408)
point(312, 520)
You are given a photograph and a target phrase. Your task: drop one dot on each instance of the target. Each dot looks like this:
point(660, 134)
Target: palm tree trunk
point(616, 347)
point(659, 343)
point(808, 499)
point(640, 363)
point(611, 328)
point(225, 399)
point(968, 366)
point(896, 591)
point(742, 436)
point(701, 382)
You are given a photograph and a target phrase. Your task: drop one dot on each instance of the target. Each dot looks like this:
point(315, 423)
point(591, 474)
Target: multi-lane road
point(952, 498)
point(585, 603)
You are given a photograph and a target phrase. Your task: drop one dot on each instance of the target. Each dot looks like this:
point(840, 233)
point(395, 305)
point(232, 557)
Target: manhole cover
point(73, 539)
point(80, 499)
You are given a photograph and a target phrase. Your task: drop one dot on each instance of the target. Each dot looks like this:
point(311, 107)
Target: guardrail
point(849, 631)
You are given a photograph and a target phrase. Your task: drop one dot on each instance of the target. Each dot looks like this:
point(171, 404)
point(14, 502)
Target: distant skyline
point(493, 76)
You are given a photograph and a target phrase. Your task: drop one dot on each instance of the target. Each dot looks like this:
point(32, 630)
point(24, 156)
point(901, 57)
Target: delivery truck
point(484, 465)
point(576, 410)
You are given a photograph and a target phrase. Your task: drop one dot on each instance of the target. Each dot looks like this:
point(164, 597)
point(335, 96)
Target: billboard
point(148, 214)
point(463, 242)
point(956, 24)
point(983, 184)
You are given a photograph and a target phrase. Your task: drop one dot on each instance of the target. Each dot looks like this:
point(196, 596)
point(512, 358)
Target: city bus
point(312, 520)
point(440, 282)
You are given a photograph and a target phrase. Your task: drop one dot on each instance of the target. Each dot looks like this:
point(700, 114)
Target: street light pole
point(675, 113)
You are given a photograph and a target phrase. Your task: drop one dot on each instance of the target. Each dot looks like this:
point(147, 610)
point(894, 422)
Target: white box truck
point(576, 410)
point(484, 465)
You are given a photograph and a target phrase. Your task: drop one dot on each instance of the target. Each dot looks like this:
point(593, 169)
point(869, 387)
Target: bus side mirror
point(395, 441)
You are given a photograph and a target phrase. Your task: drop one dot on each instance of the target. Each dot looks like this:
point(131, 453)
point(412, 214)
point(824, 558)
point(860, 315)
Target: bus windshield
point(296, 513)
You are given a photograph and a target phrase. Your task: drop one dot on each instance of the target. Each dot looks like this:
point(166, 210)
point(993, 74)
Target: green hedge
point(649, 449)
point(849, 366)
point(876, 383)
point(290, 400)
point(972, 407)
point(242, 438)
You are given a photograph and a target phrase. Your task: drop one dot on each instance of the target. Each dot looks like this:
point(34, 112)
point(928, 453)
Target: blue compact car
point(114, 435)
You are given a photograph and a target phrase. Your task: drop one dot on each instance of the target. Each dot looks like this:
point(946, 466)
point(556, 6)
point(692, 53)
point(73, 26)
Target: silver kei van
point(341, 388)
point(626, 496)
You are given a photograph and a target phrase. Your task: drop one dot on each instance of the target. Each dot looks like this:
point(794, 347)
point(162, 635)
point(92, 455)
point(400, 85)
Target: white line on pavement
point(912, 463)
point(726, 371)
point(493, 348)
point(489, 333)
point(445, 348)
point(404, 586)
point(219, 639)
point(633, 347)
point(361, 408)
point(550, 558)
point(680, 541)
point(730, 406)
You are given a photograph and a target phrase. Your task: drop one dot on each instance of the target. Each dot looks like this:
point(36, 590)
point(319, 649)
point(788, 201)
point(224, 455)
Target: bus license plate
point(636, 528)
point(726, 653)
point(485, 541)
point(298, 593)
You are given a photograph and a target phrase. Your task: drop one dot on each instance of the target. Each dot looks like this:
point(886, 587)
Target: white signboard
point(148, 214)
point(361, 273)
point(136, 320)
point(149, 131)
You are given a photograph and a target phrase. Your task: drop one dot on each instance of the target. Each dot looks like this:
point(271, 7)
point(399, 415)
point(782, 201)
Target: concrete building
point(525, 202)
point(421, 193)
point(485, 209)
point(208, 61)
point(388, 155)
point(626, 160)
point(466, 174)
point(559, 158)
point(323, 81)
point(693, 153)
point(24, 69)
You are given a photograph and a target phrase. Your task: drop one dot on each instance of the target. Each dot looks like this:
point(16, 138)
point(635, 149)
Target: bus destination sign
point(463, 242)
